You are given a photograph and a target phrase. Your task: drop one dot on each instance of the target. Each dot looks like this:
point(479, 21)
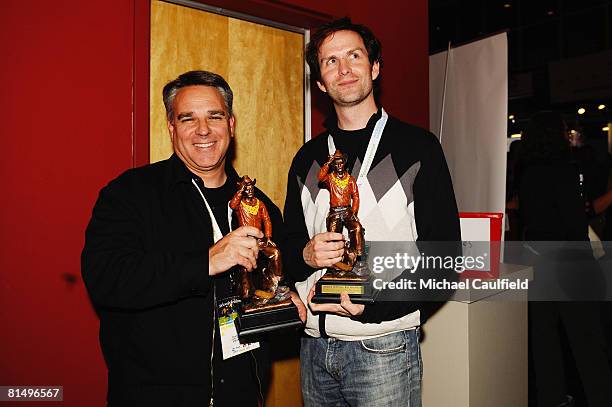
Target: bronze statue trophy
point(268, 307)
point(348, 274)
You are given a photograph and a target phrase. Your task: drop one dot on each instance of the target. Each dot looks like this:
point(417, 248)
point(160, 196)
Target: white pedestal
point(475, 351)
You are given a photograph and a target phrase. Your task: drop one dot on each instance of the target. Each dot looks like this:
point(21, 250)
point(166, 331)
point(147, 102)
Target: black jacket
point(145, 265)
point(551, 207)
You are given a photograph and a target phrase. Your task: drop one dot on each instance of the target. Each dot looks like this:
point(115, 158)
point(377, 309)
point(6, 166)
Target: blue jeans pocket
point(385, 345)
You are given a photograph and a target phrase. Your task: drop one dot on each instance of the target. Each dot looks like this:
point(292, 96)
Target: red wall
point(66, 81)
point(66, 86)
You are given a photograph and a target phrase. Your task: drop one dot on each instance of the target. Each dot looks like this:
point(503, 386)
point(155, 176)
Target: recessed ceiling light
point(601, 107)
point(507, 5)
point(582, 110)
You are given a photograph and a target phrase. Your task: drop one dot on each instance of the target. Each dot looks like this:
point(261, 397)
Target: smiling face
point(346, 72)
point(201, 129)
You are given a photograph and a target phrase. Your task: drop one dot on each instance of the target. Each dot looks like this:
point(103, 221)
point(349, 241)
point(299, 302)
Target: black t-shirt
point(353, 143)
point(231, 388)
point(218, 199)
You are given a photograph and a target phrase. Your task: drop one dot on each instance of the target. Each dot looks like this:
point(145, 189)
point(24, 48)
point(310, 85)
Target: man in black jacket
point(355, 354)
point(156, 259)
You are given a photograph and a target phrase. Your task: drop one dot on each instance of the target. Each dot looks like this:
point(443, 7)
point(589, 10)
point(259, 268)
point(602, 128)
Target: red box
point(474, 228)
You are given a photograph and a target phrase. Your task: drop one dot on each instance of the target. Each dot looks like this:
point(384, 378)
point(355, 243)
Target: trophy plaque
point(267, 305)
point(358, 287)
point(351, 273)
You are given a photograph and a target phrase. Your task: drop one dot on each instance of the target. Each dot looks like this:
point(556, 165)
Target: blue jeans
point(384, 371)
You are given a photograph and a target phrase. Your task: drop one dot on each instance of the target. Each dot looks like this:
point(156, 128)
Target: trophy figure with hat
point(268, 306)
point(343, 210)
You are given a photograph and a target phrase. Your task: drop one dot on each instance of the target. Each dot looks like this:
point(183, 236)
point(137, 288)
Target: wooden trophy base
point(329, 287)
point(258, 319)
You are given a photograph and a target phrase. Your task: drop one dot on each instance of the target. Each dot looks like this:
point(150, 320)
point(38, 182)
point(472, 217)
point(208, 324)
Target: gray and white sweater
point(408, 196)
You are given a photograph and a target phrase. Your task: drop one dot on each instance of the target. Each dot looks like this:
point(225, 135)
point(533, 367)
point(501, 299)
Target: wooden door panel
point(182, 39)
point(263, 65)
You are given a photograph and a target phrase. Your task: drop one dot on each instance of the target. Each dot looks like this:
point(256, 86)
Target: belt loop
point(322, 326)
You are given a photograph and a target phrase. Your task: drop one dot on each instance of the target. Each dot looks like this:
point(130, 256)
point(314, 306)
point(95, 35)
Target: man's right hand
point(324, 250)
point(238, 247)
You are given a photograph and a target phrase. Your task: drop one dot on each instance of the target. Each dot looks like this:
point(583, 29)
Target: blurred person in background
point(552, 209)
